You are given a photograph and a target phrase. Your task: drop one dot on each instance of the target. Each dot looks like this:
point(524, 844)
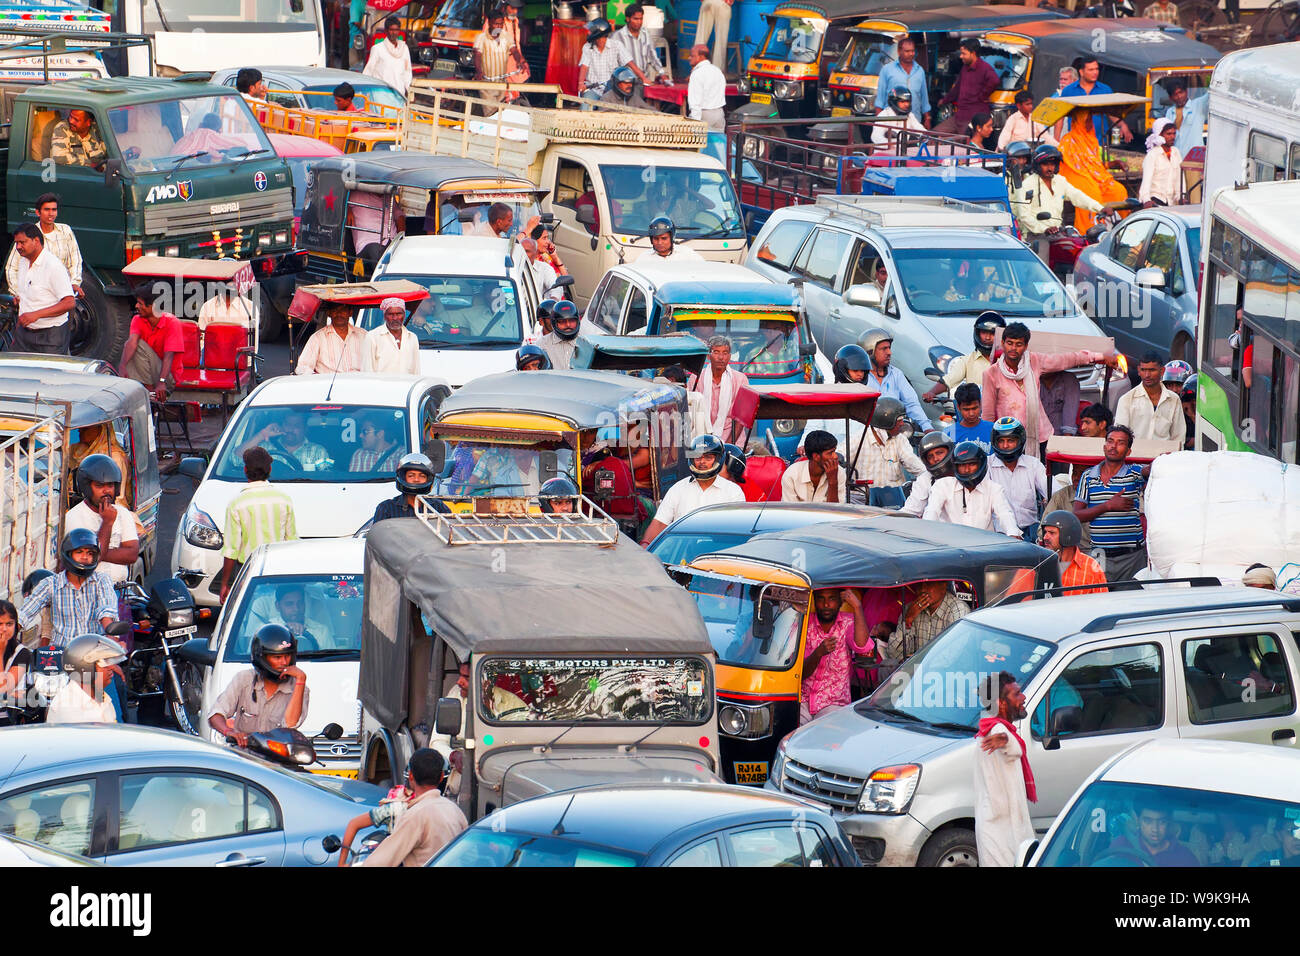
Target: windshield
point(492, 848)
point(795, 39)
point(739, 636)
point(866, 55)
point(377, 94)
point(700, 202)
point(230, 16)
point(940, 683)
point(662, 690)
point(1198, 84)
point(1130, 824)
point(298, 168)
point(685, 547)
point(464, 214)
point(195, 131)
point(460, 313)
point(1194, 243)
point(1009, 63)
point(759, 347)
point(482, 469)
point(322, 610)
point(461, 13)
point(319, 443)
point(1012, 281)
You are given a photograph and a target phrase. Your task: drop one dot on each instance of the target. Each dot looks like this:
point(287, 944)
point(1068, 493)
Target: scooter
point(165, 617)
point(46, 678)
point(287, 746)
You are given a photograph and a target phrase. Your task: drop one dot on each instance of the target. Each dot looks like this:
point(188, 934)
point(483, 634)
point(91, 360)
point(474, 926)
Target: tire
point(272, 319)
point(187, 713)
point(947, 848)
point(100, 322)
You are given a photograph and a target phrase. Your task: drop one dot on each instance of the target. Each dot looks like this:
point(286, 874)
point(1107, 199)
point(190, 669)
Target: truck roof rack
point(1058, 590)
point(915, 211)
point(588, 524)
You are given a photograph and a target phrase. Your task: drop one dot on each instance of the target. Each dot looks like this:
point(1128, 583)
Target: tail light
point(134, 250)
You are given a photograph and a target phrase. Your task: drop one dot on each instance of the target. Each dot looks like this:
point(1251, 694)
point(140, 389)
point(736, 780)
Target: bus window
point(1260, 393)
point(1293, 168)
point(1289, 404)
point(1266, 291)
point(1267, 155)
point(1222, 316)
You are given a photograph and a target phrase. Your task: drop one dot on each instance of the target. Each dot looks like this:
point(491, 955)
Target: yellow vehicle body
point(328, 126)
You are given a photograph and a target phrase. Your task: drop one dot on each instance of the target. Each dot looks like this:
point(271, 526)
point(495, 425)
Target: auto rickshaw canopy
point(358, 295)
point(1131, 43)
point(630, 353)
point(964, 20)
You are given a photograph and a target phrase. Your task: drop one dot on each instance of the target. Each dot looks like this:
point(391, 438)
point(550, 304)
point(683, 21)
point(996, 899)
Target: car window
point(1162, 253)
point(610, 308)
point(1127, 246)
point(783, 243)
point(1107, 691)
point(322, 610)
point(1236, 677)
point(817, 849)
point(637, 311)
point(766, 846)
point(707, 853)
point(280, 98)
point(158, 809)
point(821, 262)
point(58, 816)
point(864, 259)
point(318, 443)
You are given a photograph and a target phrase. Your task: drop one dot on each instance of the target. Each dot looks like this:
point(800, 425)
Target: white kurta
point(390, 63)
point(1001, 805)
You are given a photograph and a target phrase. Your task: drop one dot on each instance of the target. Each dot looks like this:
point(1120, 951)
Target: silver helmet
point(84, 653)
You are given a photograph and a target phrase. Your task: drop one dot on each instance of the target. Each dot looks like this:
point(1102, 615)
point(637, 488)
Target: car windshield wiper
point(942, 725)
point(334, 654)
point(246, 154)
point(895, 712)
point(716, 233)
point(176, 163)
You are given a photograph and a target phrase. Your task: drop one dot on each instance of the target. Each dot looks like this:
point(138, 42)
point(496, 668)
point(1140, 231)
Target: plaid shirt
point(73, 611)
point(62, 243)
point(601, 64)
point(363, 459)
point(882, 459)
point(1161, 14)
point(1083, 569)
point(907, 639)
point(258, 515)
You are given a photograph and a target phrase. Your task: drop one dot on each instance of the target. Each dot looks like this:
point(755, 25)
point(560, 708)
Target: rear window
point(488, 847)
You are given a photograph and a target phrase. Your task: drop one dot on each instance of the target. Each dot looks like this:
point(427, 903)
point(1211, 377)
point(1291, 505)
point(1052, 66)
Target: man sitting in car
point(287, 438)
point(380, 444)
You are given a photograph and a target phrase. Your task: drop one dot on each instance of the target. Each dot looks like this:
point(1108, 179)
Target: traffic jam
point(464, 433)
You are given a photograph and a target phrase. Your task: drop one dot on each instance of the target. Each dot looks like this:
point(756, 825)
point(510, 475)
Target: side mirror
point(1095, 233)
point(564, 281)
point(587, 216)
point(548, 218)
point(763, 621)
point(933, 374)
point(192, 468)
point(807, 349)
point(436, 449)
point(447, 717)
point(1150, 278)
point(866, 296)
point(331, 844)
point(117, 628)
point(196, 651)
point(112, 173)
point(594, 243)
point(548, 465)
point(331, 732)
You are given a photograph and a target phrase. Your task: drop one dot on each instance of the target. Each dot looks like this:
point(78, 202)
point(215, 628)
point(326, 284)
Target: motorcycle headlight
point(200, 530)
point(742, 85)
point(427, 54)
point(862, 103)
point(785, 426)
point(824, 99)
point(182, 617)
point(940, 356)
point(466, 57)
point(743, 720)
point(890, 789)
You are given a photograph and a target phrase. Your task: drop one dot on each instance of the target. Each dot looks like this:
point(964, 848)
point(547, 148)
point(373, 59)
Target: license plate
point(182, 631)
point(444, 66)
point(764, 98)
point(350, 774)
point(839, 111)
point(753, 772)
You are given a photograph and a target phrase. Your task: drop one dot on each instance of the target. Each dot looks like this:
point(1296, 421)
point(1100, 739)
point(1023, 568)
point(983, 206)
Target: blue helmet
point(527, 355)
point(1008, 427)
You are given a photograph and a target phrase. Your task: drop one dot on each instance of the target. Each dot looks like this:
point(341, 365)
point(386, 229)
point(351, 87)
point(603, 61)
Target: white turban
point(1158, 127)
point(1260, 577)
point(392, 302)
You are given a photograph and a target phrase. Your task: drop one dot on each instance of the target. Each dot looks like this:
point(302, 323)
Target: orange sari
point(1082, 167)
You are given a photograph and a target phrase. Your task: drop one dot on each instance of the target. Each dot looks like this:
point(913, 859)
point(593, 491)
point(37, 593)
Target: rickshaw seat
point(226, 364)
point(763, 478)
point(190, 356)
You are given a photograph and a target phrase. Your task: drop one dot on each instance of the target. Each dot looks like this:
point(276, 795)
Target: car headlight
point(744, 720)
point(200, 530)
point(787, 89)
point(941, 356)
point(466, 57)
point(427, 54)
point(785, 426)
point(776, 777)
point(181, 617)
point(824, 99)
point(862, 103)
point(742, 85)
point(890, 789)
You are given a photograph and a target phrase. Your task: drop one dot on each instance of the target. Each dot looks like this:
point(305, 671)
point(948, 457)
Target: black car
point(685, 825)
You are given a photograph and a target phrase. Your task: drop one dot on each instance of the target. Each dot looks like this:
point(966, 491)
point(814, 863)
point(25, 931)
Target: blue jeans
point(888, 497)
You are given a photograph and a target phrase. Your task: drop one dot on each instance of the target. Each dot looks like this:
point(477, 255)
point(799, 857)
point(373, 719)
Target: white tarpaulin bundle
point(1217, 513)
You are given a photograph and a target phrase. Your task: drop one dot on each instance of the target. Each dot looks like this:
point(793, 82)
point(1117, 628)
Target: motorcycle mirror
point(196, 651)
point(117, 628)
point(331, 843)
point(331, 732)
point(933, 374)
point(564, 281)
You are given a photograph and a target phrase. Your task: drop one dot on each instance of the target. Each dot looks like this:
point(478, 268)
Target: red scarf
point(987, 724)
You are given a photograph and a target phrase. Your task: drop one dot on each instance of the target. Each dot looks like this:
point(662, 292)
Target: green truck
point(185, 170)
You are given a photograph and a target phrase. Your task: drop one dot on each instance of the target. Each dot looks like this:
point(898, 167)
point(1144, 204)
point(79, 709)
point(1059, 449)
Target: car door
point(774, 257)
point(821, 266)
point(1099, 700)
point(845, 323)
point(68, 814)
point(571, 187)
point(1237, 683)
point(606, 312)
point(191, 817)
point(1158, 309)
point(787, 843)
point(1114, 291)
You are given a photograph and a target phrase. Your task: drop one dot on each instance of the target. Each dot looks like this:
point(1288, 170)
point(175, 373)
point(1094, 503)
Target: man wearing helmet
point(885, 453)
point(706, 486)
point(80, 598)
point(850, 367)
point(558, 496)
point(1152, 411)
point(969, 497)
point(599, 59)
point(900, 106)
point(888, 379)
point(936, 455)
point(414, 478)
point(560, 343)
point(98, 482)
point(89, 661)
point(531, 358)
point(971, 366)
point(1062, 533)
point(625, 89)
point(1045, 191)
point(1022, 477)
point(663, 243)
point(272, 693)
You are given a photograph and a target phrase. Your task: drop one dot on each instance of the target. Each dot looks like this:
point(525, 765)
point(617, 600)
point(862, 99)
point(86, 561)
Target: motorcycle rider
point(430, 820)
point(99, 482)
point(625, 90)
point(1044, 191)
point(663, 237)
point(936, 452)
point(889, 379)
point(414, 478)
point(900, 106)
point(971, 366)
point(560, 343)
point(1018, 155)
point(80, 598)
point(531, 358)
point(559, 495)
point(545, 309)
point(1023, 478)
point(851, 365)
point(970, 497)
point(90, 661)
point(272, 693)
point(735, 463)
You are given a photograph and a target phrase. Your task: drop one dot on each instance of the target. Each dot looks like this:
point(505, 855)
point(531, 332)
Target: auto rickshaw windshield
point(759, 347)
point(487, 469)
point(461, 13)
point(1008, 62)
point(739, 632)
point(795, 39)
point(867, 54)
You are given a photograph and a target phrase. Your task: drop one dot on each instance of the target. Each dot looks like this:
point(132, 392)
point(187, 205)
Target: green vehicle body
point(192, 210)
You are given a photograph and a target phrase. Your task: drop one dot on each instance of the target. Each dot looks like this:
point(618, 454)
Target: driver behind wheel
point(287, 438)
point(272, 693)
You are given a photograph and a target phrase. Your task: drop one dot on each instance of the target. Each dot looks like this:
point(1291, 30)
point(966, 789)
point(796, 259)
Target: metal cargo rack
point(916, 211)
point(587, 525)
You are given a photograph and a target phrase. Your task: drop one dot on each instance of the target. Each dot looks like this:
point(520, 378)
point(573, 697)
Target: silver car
point(1099, 672)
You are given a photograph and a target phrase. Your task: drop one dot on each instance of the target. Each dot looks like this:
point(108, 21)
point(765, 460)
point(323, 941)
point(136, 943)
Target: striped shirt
point(62, 243)
point(327, 352)
point(494, 55)
point(638, 50)
point(258, 515)
point(73, 611)
point(1113, 529)
point(601, 64)
point(907, 639)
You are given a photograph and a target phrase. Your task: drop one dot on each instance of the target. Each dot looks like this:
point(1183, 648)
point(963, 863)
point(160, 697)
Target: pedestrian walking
point(58, 239)
point(1003, 790)
point(258, 515)
point(44, 293)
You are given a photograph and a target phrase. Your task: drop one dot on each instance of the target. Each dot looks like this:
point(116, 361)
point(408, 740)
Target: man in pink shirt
point(719, 383)
point(834, 636)
point(1011, 383)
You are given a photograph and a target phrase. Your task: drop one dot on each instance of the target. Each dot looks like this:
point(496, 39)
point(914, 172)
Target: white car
point(314, 588)
point(482, 302)
point(336, 475)
point(1177, 802)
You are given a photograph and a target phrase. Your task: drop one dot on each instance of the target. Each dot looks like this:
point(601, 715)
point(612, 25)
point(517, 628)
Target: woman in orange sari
point(1082, 167)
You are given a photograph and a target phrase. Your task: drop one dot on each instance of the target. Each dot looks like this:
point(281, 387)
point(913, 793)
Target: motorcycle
point(287, 746)
point(46, 677)
point(164, 617)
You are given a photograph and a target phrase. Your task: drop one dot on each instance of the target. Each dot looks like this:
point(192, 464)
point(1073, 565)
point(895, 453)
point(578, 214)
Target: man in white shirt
point(58, 239)
point(543, 272)
point(936, 454)
point(45, 295)
point(1022, 478)
point(706, 90)
point(886, 451)
point(663, 243)
point(390, 61)
point(900, 106)
point(818, 477)
point(1151, 410)
point(226, 308)
point(1044, 190)
point(90, 662)
point(560, 344)
point(969, 497)
point(392, 349)
point(337, 347)
point(99, 481)
point(706, 486)
point(1019, 127)
point(1162, 168)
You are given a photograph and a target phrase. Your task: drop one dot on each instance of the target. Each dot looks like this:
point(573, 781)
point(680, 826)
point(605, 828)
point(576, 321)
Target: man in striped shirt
point(258, 515)
point(1109, 499)
point(58, 239)
point(334, 348)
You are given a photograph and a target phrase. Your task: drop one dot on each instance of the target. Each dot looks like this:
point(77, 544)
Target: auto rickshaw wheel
point(99, 322)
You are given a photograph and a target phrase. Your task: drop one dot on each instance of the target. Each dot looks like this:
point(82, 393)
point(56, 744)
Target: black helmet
point(528, 353)
point(970, 451)
point(989, 321)
point(559, 487)
point(33, 579)
point(1045, 153)
point(600, 27)
point(889, 412)
point(1188, 392)
point(99, 468)
point(414, 460)
point(897, 95)
point(660, 225)
point(1009, 427)
point(850, 358)
point(623, 74)
point(930, 441)
point(1067, 527)
point(1019, 150)
point(564, 309)
point(74, 540)
point(706, 445)
point(272, 639)
point(735, 463)
point(546, 308)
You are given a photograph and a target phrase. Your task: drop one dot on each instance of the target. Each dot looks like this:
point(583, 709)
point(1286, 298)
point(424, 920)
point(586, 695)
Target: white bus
point(216, 34)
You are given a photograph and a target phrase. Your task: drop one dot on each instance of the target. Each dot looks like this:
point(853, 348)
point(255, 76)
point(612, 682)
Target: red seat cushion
point(763, 478)
point(190, 333)
point(221, 345)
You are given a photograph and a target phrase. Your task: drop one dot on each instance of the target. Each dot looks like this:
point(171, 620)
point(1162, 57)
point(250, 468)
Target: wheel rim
point(959, 856)
point(188, 708)
point(82, 329)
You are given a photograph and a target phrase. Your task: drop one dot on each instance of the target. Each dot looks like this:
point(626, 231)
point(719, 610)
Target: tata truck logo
point(259, 180)
point(179, 190)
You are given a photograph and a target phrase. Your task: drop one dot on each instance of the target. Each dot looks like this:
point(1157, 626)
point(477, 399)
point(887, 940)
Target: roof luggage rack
point(915, 211)
point(516, 522)
point(1057, 590)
